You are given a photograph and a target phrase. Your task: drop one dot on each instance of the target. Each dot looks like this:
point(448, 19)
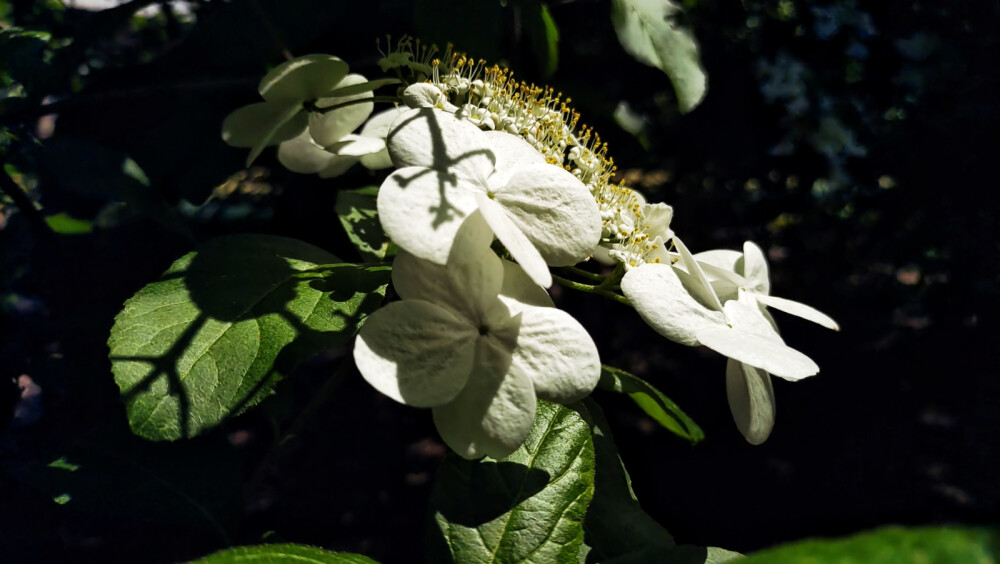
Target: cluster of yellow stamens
point(490, 97)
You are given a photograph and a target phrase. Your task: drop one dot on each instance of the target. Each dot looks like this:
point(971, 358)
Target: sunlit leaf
point(216, 333)
point(281, 554)
point(64, 224)
point(357, 213)
point(544, 36)
point(648, 30)
point(891, 544)
point(528, 507)
point(658, 406)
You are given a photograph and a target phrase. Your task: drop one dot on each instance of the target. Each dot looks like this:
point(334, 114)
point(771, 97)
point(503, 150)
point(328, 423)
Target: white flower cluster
point(479, 156)
point(717, 299)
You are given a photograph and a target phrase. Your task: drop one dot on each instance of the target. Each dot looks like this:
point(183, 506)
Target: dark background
point(854, 141)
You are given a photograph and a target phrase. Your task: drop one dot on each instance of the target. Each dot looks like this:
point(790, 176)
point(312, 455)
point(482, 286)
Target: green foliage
point(618, 530)
point(658, 406)
point(64, 224)
point(544, 37)
point(357, 213)
point(24, 58)
point(648, 30)
point(214, 335)
point(282, 553)
point(528, 507)
point(891, 544)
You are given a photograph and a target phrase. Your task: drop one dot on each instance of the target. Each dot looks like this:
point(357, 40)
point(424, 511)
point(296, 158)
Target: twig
point(587, 288)
point(23, 202)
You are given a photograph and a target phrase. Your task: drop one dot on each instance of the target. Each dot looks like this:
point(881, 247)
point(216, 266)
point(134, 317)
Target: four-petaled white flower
point(477, 341)
point(681, 304)
point(447, 169)
point(282, 116)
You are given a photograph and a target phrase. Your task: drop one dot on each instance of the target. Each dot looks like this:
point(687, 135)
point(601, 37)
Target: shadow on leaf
point(224, 324)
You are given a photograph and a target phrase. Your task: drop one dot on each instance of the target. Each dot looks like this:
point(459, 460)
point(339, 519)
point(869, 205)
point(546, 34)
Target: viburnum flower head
point(477, 341)
point(447, 169)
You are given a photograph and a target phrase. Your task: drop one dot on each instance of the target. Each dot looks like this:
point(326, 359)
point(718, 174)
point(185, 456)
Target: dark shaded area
point(850, 139)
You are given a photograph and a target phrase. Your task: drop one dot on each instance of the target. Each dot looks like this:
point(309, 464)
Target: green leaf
point(361, 88)
point(648, 31)
point(652, 401)
point(62, 464)
point(357, 213)
point(618, 530)
point(891, 544)
point(544, 36)
point(281, 554)
point(64, 224)
point(216, 333)
point(528, 507)
point(23, 58)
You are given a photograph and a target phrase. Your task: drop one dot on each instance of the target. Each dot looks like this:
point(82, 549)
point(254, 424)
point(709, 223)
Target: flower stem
point(312, 107)
point(589, 289)
point(583, 273)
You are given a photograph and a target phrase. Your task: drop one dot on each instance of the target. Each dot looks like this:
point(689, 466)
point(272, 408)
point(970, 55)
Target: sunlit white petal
point(416, 352)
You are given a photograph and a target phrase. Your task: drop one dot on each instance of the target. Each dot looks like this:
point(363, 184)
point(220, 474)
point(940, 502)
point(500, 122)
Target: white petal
point(469, 284)
point(557, 353)
point(303, 155)
point(555, 210)
point(301, 79)
point(519, 289)
point(494, 413)
point(658, 296)
point(518, 245)
point(723, 268)
point(601, 255)
point(357, 146)
point(751, 400)
point(434, 139)
point(416, 352)
point(337, 165)
point(746, 315)
point(424, 95)
point(724, 279)
point(332, 126)
point(658, 217)
point(422, 210)
point(725, 259)
point(752, 341)
point(755, 269)
point(378, 125)
point(263, 124)
point(696, 282)
point(798, 309)
point(377, 161)
point(511, 152)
